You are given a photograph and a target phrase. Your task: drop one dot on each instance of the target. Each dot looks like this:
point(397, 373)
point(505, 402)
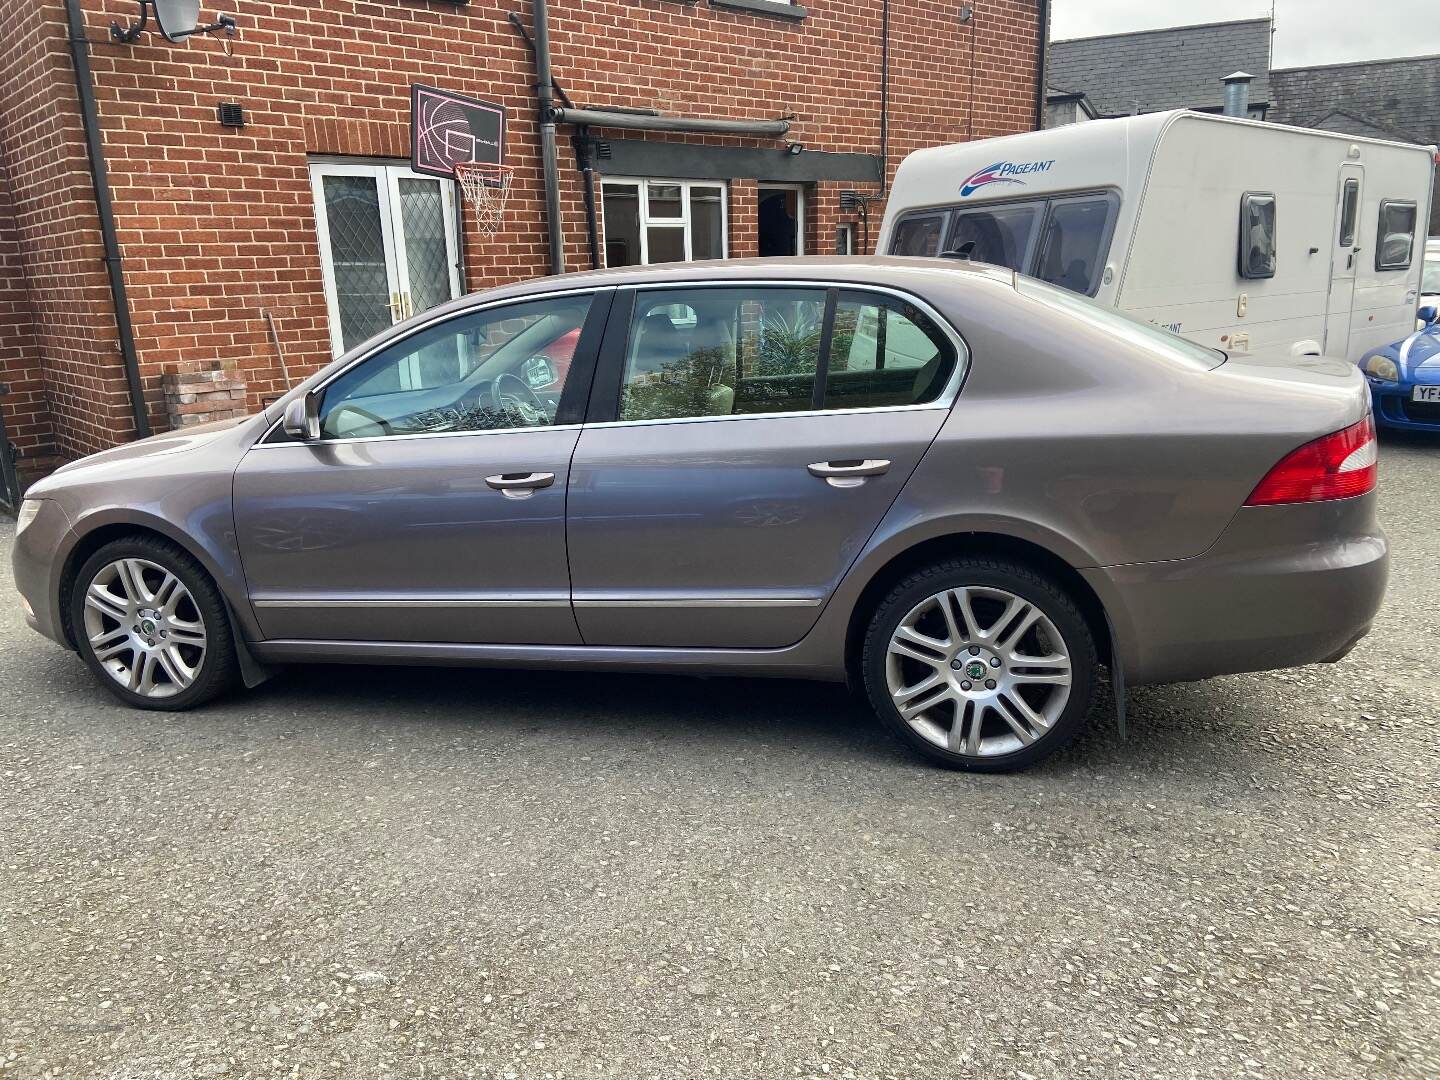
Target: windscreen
point(1117, 325)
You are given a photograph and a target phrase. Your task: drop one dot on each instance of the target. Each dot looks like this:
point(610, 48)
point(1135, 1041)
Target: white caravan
point(1234, 233)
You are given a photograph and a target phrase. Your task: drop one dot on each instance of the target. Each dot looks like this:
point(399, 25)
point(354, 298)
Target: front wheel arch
point(972, 545)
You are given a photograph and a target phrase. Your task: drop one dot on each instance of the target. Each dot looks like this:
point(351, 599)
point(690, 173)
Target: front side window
point(918, 235)
point(1396, 235)
point(884, 351)
point(657, 221)
point(999, 235)
point(1074, 242)
point(1257, 235)
point(500, 368)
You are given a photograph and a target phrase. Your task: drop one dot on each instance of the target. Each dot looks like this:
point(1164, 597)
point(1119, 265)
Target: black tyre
point(980, 664)
point(152, 626)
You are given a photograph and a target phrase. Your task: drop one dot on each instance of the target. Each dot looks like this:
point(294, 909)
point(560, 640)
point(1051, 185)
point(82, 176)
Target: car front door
point(742, 445)
point(432, 507)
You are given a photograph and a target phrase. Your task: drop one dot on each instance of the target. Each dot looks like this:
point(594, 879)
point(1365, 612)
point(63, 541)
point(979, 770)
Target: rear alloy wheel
point(981, 665)
point(151, 625)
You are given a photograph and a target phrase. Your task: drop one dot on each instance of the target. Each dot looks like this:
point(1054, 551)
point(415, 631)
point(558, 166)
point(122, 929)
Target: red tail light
point(1339, 466)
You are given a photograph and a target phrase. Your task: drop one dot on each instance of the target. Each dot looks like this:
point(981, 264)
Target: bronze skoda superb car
point(965, 492)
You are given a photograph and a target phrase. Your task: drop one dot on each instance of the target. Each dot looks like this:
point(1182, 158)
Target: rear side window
point(1073, 245)
point(999, 235)
point(1349, 209)
point(884, 351)
point(1396, 235)
point(918, 235)
point(1257, 235)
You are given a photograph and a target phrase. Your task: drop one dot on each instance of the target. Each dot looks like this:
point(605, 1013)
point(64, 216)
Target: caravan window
point(999, 235)
point(1257, 235)
point(1396, 235)
point(918, 235)
point(1074, 242)
point(1349, 207)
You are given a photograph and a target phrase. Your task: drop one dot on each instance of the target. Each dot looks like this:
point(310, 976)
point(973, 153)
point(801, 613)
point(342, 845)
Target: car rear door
point(743, 443)
point(432, 508)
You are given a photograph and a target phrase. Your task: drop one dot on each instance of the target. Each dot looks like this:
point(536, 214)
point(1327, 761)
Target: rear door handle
point(520, 485)
point(848, 473)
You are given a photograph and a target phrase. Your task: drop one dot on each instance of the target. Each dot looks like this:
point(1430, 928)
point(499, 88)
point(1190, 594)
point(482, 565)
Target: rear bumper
point(1283, 586)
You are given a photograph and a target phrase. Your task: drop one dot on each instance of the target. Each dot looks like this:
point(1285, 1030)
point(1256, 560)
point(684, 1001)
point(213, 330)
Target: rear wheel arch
point(972, 545)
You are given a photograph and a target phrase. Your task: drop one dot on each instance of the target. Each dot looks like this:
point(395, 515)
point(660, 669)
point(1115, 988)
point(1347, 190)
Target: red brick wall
point(23, 407)
point(218, 224)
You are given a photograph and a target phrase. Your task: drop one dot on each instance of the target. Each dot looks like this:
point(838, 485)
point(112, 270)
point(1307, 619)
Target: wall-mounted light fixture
point(794, 149)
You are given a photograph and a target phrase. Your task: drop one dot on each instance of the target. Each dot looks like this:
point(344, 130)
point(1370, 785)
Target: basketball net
point(486, 188)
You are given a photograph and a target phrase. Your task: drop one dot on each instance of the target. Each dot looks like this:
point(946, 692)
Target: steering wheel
point(510, 393)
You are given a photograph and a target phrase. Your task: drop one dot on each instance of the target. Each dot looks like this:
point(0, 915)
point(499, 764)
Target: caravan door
point(1343, 255)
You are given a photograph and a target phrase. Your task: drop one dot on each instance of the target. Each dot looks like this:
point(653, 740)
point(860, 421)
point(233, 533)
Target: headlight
point(1382, 368)
point(28, 509)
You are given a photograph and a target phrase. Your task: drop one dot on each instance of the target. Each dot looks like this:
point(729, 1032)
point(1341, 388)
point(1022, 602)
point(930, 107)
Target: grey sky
point(1306, 31)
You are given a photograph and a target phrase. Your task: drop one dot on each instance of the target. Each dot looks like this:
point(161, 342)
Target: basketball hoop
point(486, 188)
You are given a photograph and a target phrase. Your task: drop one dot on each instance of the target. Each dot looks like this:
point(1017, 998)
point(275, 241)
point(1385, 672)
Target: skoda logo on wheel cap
point(975, 670)
point(148, 626)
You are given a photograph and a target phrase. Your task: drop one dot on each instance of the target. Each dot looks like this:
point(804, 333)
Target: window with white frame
point(657, 221)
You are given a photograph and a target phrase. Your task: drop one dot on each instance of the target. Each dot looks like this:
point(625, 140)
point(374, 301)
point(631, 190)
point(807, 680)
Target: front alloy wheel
point(150, 623)
point(144, 628)
point(981, 665)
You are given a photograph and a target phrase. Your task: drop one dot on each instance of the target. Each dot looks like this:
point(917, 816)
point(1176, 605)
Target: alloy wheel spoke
point(967, 613)
point(917, 653)
point(169, 594)
point(175, 668)
point(922, 696)
point(1051, 670)
point(106, 603)
point(946, 603)
point(132, 579)
point(1019, 621)
point(910, 636)
point(186, 633)
point(1004, 707)
point(142, 673)
point(114, 648)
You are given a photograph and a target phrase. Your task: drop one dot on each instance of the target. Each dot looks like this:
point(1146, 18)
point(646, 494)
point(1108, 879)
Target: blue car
point(1405, 378)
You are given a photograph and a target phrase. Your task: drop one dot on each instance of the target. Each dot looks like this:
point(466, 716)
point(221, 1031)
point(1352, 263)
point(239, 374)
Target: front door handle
point(848, 473)
point(520, 485)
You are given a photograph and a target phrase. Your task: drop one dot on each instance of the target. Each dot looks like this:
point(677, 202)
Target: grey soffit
point(691, 161)
point(1152, 70)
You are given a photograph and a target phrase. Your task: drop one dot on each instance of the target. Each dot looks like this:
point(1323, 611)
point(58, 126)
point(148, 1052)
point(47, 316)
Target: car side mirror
point(302, 418)
point(1428, 314)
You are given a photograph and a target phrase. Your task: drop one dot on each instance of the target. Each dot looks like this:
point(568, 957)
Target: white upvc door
point(388, 246)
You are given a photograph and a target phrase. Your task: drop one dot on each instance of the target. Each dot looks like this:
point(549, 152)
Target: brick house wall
point(217, 225)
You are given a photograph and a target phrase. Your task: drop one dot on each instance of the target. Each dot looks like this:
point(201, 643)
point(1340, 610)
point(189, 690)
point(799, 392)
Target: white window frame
point(397, 270)
point(684, 222)
point(801, 209)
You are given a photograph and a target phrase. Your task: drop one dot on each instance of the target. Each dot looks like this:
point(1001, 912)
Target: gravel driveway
point(359, 872)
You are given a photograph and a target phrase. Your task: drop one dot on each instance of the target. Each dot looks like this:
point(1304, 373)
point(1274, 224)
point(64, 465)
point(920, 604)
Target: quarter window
point(1257, 235)
point(884, 351)
point(498, 368)
point(656, 221)
point(1396, 235)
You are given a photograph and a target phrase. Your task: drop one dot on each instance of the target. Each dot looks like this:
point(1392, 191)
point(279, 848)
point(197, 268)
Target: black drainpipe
point(95, 148)
point(545, 98)
point(1040, 65)
point(584, 157)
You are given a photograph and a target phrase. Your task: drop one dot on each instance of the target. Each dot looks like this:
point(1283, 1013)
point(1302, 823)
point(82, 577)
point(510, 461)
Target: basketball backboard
point(447, 128)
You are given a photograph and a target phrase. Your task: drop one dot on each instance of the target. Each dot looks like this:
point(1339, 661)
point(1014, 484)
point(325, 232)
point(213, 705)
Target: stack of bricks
point(198, 391)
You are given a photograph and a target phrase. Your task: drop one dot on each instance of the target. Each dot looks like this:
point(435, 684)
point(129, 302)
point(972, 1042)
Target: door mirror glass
point(302, 418)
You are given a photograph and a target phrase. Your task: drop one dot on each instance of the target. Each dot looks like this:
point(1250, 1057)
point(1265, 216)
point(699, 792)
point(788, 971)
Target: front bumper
point(1394, 409)
point(1283, 586)
point(38, 555)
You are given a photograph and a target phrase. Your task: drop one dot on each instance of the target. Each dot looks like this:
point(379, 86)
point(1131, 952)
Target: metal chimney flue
point(1237, 93)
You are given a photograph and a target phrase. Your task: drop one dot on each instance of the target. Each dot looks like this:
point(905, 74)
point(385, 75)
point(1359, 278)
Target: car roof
point(899, 271)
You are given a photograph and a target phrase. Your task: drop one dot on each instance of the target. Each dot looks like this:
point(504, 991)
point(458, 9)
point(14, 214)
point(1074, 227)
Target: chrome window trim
point(419, 327)
point(945, 400)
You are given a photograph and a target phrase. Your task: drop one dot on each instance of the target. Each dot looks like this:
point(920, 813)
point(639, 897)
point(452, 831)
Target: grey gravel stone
point(546, 867)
